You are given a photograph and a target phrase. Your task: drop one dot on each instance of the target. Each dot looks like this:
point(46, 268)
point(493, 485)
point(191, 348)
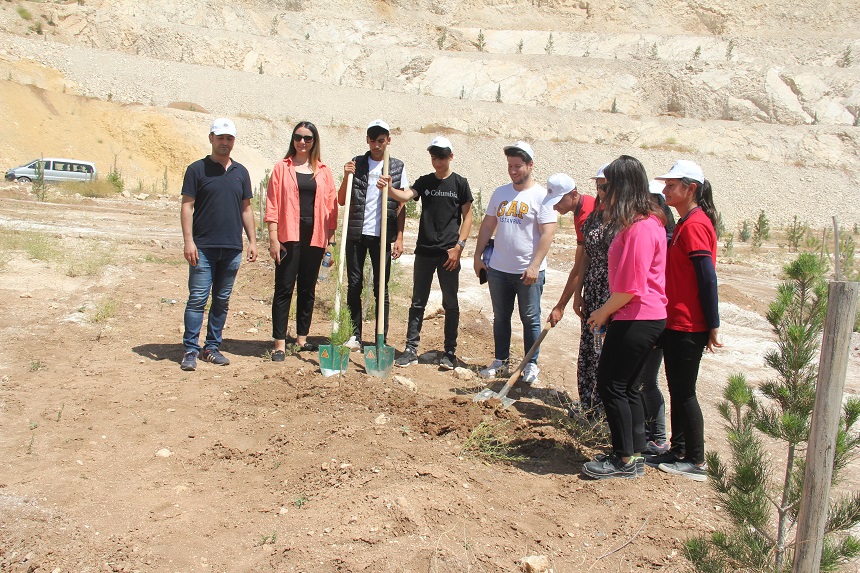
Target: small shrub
point(614, 108)
point(846, 59)
point(721, 227)
point(550, 45)
point(114, 176)
point(729, 49)
point(24, 13)
point(520, 47)
point(481, 43)
point(729, 244)
point(499, 94)
point(698, 53)
point(744, 233)
point(105, 309)
point(492, 443)
point(95, 189)
point(40, 188)
point(795, 231)
point(761, 230)
point(440, 41)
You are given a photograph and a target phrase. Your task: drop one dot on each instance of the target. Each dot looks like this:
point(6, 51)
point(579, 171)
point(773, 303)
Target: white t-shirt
point(519, 215)
point(372, 206)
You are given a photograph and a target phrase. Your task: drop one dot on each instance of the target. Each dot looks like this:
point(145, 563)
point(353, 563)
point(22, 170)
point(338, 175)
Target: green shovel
point(379, 359)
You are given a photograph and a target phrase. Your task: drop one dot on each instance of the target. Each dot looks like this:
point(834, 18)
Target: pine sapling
point(761, 498)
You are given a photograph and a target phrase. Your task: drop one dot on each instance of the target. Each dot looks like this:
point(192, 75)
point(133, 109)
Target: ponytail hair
point(704, 198)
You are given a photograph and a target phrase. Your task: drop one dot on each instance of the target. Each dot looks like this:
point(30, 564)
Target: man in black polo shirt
point(216, 206)
point(446, 218)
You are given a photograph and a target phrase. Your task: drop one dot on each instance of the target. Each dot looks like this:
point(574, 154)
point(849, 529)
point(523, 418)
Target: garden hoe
point(502, 395)
point(379, 359)
point(332, 359)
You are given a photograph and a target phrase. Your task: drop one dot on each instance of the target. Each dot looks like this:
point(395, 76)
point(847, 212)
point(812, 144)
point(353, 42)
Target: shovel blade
point(488, 394)
point(379, 359)
point(332, 362)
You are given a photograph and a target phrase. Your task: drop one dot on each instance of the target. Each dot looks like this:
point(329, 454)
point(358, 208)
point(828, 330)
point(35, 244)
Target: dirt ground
point(113, 459)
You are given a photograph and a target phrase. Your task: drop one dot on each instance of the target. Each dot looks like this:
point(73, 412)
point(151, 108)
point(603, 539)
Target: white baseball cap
point(522, 146)
point(600, 174)
point(685, 169)
point(557, 186)
point(656, 187)
point(441, 142)
point(379, 123)
point(223, 126)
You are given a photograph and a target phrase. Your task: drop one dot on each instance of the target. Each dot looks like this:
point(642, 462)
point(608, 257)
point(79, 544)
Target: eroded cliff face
point(752, 83)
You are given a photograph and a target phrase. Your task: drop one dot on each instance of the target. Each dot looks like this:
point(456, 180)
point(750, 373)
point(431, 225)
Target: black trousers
point(300, 265)
point(356, 254)
point(422, 279)
point(682, 354)
point(625, 350)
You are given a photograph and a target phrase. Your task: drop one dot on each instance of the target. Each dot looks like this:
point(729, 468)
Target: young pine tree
point(761, 498)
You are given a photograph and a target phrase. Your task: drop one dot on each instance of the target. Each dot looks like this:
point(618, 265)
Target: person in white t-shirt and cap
point(524, 224)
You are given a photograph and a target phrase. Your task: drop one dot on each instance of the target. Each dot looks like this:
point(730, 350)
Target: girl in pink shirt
point(637, 309)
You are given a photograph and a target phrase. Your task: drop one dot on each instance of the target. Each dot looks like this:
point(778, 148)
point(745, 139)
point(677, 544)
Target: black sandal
point(309, 347)
point(278, 356)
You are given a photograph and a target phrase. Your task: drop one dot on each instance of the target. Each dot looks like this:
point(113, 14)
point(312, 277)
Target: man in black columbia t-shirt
point(446, 218)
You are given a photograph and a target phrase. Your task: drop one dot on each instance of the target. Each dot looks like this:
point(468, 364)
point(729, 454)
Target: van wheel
point(23, 180)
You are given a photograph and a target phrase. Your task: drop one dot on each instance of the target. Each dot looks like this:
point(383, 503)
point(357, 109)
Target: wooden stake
point(833, 365)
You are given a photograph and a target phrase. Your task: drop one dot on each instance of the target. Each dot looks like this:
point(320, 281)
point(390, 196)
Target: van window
point(35, 165)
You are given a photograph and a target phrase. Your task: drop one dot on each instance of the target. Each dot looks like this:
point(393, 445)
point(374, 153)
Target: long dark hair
point(704, 198)
point(628, 198)
point(314, 153)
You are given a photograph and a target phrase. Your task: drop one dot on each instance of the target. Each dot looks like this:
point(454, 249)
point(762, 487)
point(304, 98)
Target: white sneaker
point(491, 371)
point(352, 344)
point(530, 373)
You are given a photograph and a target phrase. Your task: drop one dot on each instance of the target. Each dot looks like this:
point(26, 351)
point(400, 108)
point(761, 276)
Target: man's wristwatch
point(462, 244)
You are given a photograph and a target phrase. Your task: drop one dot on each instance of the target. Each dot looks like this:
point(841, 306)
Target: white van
point(56, 170)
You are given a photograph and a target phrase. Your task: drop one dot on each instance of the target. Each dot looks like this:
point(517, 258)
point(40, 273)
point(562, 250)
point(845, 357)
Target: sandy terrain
point(117, 460)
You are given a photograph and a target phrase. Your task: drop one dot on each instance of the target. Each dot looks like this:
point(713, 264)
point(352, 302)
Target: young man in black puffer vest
point(365, 218)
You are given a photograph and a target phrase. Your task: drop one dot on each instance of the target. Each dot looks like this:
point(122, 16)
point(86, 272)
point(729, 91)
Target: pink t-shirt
point(637, 266)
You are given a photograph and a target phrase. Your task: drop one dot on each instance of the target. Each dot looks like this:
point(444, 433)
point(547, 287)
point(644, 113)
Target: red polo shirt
point(580, 214)
point(694, 237)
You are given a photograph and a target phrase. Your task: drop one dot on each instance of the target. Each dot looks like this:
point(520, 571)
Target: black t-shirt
point(307, 196)
point(441, 211)
point(218, 196)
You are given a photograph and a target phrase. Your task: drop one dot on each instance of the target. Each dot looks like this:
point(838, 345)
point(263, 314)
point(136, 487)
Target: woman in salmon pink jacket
point(301, 212)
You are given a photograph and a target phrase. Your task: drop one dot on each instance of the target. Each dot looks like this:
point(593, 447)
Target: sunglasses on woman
point(297, 138)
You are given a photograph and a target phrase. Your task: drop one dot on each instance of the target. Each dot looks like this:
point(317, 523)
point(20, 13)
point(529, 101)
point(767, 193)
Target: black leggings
point(625, 350)
point(682, 353)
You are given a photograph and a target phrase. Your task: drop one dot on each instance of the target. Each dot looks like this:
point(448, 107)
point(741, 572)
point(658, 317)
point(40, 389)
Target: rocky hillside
point(760, 89)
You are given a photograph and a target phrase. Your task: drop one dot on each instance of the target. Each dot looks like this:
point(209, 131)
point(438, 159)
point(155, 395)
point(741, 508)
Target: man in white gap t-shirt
point(524, 226)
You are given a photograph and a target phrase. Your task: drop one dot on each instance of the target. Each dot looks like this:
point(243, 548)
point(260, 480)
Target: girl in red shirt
point(693, 319)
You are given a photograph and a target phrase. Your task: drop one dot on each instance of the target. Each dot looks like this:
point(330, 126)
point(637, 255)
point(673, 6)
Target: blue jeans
point(215, 271)
point(504, 289)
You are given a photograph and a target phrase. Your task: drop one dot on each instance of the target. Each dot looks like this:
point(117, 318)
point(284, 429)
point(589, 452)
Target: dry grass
point(89, 261)
point(98, 189)
point(35, 245)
